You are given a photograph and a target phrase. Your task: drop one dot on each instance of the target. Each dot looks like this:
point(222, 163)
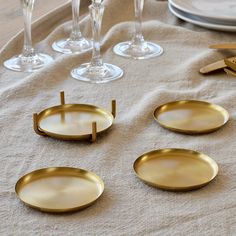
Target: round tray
point(191, 116)
point(73, 121)
point(59, 189)
point(175, 169)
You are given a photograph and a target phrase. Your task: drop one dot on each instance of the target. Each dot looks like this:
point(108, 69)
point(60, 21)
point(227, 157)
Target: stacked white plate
point(211, 14)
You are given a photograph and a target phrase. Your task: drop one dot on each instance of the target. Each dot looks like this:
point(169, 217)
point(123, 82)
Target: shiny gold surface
point(216, 66)
point(231, 64)
point(73, 121)
point(230, 72)
point(175, 169)
point(191, 117)
point(230, 46)
point(213, 67)
point(59, 189)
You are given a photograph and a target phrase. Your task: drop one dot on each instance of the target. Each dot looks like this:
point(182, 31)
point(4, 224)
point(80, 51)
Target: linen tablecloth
point(128, 206)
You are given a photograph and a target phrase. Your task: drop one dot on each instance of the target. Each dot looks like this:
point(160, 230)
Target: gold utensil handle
point(230, 72)
point(227, 46)
point(213, 67)
point(231, 64)
point(217, 65)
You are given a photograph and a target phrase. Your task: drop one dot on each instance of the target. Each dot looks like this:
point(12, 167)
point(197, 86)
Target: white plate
point(201, 21)
point(224, 10)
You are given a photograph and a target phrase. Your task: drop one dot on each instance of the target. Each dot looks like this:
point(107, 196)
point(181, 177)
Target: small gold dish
point(191, 116)
point(175, 169)
point(73, 121)
point(59, 189)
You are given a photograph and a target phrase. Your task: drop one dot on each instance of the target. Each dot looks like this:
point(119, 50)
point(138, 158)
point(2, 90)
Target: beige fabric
point(127, 207)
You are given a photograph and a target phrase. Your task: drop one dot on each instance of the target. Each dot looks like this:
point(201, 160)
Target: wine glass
point(76, 43)
point(28, 60)
point(138, 48)
point(96, 71)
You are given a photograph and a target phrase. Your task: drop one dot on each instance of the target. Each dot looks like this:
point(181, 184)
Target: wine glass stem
point(138, 36)
point(76, 33)
point(27, 6)
point(96, 14)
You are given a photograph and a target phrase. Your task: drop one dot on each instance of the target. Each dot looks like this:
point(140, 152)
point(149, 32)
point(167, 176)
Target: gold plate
point(73, 121)
point(175, 169)
point(191, 116)
point(59, 189)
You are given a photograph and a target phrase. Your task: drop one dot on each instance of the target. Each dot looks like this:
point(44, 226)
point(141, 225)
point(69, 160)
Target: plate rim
point(169, 188)
point(182, 8)
point(225, 114)
point(201, 23)
point(62, 210)
point(72, 137)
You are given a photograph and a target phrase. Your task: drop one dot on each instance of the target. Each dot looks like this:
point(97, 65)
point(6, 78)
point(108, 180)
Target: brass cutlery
point(231, 69)
point(230, 72)
point(227, 64)
point(227, 46)
point(231, 63)
point(219, 65)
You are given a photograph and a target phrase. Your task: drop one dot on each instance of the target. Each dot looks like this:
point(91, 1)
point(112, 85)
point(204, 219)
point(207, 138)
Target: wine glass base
point(68, 46)
point(97, 74)
point(28, 64)
point(143, 51)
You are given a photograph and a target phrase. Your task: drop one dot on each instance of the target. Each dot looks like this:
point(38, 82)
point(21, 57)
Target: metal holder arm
point(62, 101)
point(36, 128)
point(94, 132)
point(62, 97)
point(113, 108)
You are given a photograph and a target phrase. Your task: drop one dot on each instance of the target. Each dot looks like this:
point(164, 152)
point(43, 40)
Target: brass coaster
point(74, 121)
point(191, 117)
point(59, 189)
point(175, 169)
